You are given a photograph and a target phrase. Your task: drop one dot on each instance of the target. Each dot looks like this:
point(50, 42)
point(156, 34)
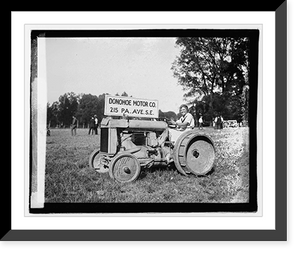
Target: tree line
point(214, 73)
point(83, 107)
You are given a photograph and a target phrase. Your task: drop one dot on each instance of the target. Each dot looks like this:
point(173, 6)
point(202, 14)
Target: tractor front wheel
point(124, 168)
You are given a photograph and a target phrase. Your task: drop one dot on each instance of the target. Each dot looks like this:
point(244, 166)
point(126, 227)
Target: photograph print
point(143, 121)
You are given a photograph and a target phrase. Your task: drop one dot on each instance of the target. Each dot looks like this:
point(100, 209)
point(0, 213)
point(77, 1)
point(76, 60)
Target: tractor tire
point(124, 168)
point(194, 153)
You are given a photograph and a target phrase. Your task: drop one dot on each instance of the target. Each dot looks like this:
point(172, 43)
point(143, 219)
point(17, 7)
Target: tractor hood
point(134, 124)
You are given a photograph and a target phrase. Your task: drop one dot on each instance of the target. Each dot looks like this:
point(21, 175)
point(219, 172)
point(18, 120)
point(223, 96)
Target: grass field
point(69, 178)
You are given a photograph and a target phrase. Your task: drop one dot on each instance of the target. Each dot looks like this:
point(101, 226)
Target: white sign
point(128, 106)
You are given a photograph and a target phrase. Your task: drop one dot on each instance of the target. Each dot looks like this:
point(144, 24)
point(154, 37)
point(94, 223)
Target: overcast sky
point(139, 66)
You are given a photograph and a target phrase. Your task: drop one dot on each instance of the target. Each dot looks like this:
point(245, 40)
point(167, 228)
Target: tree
point(101, 105)
point(245, 103)
point(52, 114)
point(87, 107)
point(161, 114)
point(67, 107)
point(124, 94)
point(214, 69)
point(167, 115)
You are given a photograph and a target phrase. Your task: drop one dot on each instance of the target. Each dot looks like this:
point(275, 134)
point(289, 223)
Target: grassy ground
point(69, 178)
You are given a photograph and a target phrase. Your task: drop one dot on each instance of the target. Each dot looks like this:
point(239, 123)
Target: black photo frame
point(279, 234)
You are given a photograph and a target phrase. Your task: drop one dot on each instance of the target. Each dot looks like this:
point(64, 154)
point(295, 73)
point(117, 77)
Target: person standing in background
point(200, 122)
point(222, 122)
point(92, 126)
point(215, 122)
point(96, 124)
point(74, 126)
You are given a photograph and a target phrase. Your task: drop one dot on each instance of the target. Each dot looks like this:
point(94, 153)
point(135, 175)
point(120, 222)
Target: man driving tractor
point(185, 122)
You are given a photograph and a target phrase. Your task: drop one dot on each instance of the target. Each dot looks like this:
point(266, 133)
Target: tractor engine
point(146, 147)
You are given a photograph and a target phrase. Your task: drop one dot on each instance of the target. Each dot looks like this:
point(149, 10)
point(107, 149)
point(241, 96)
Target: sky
point(141, 67)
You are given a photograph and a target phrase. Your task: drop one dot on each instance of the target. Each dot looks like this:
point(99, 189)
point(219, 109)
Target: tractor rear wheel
point(124, 168)
point(96, 161)
point(194, 153)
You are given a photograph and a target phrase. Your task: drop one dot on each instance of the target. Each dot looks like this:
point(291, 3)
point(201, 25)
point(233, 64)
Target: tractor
point(128, 146)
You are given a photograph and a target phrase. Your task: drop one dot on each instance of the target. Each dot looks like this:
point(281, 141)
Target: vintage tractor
point(127, 146)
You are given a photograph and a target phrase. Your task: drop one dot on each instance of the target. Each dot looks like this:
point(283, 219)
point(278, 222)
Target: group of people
point(218, 122)
point(93, 125)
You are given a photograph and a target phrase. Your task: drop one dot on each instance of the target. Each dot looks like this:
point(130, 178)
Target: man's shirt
point(188, 118)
